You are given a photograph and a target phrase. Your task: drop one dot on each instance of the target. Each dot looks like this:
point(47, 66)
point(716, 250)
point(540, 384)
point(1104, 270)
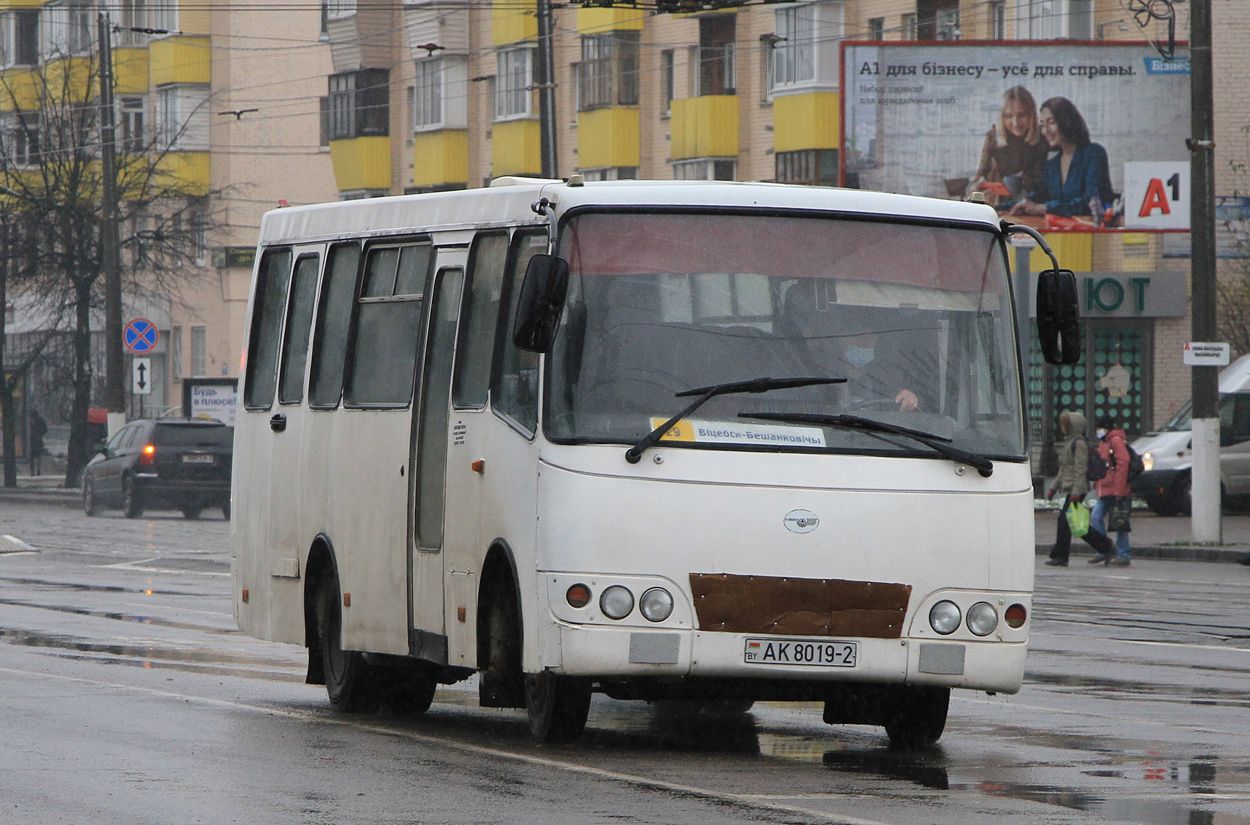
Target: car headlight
point(982, 619)
point(616, 602)
point(944, 617)
point(1147, 461)
point(656, 604)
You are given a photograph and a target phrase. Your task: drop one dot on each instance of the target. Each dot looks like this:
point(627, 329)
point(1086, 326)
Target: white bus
point(758, 442)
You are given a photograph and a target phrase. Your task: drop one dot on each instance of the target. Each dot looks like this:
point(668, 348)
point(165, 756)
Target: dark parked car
point(169, 463)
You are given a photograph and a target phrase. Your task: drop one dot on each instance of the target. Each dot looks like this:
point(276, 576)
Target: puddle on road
point(114, 615)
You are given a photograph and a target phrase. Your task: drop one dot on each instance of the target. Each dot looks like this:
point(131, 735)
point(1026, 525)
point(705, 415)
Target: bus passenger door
point(430, 461)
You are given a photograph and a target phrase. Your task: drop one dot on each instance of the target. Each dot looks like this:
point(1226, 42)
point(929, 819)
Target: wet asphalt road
point(130, 698)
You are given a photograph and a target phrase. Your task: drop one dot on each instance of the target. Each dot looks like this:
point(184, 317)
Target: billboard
point(1060, 135)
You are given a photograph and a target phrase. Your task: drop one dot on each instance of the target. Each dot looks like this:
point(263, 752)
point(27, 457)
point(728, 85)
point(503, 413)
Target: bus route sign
point(140, 336)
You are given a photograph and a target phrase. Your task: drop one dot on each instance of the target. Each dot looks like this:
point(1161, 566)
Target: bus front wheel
point(348, 678)
point(557, 706)
point(917, 716)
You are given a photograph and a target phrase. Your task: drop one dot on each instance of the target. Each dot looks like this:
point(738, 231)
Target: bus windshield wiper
point(938, 443)
point(634, 453)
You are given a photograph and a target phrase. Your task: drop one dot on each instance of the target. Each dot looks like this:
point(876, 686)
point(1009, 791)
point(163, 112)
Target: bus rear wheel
point(349, 679)
point(557, 706)
point(917, 716)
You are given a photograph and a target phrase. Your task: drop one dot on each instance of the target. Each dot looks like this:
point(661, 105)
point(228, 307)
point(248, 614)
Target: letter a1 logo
point(1156, 195)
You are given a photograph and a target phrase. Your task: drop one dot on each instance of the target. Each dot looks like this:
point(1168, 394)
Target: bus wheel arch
point(499, 631)
point(320, 564)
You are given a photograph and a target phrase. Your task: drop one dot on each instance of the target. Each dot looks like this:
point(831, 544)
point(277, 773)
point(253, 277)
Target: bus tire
point(917, 717)
point(349, 679)
point(557, 706)
point(407, 691)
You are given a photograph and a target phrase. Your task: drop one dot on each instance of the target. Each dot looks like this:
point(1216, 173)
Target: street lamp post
point(110, 241)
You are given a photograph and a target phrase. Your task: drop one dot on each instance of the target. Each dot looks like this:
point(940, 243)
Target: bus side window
point(514, 391)
point(476, 347)
point(388, 325)
point(334, 318)
point(298, 323)
point(273, 276)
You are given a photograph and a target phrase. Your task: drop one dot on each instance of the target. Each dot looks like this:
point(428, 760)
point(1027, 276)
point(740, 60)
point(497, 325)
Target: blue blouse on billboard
point(1089, 177)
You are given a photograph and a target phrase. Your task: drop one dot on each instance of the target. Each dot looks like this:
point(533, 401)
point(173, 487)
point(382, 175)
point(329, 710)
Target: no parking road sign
point(140, 336)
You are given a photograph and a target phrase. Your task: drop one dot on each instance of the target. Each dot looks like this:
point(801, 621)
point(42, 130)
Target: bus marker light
point(616, 602)
point(245, 595)
point(347, 599)
point(461, 614)
point(1015, 615)
point(478, 466)
point(656, 604)
point(578, 595)
point(944, 617)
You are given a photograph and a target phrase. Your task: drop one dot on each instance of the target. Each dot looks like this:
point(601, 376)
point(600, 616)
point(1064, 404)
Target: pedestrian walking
point(1115, 499)
point(38, 429)
point(1070, 483)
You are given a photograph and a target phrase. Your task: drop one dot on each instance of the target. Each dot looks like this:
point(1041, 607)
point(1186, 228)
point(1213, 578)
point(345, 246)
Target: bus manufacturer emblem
point(801, 521)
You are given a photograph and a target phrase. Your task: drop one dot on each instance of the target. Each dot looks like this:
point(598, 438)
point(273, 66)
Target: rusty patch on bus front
point(799, 607)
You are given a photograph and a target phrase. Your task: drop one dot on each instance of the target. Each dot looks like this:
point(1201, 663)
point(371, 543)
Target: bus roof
point(508, 202)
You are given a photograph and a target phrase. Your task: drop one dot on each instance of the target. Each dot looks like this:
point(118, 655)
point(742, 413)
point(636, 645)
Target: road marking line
point(744, 800)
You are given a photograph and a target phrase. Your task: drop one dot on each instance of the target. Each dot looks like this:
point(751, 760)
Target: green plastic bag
point(1078, 519)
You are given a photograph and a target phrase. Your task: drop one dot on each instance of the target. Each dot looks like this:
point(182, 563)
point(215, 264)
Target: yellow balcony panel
point(180, 60)
point(1074, 250)
point(806, 121)
point(440, 158)
point(516, 148)
point(5, 5)
point(193, 18)
point(70, 79)
point(186, 171)
point(596, 20)
point(19, 90)
point(608, 137)
point(361, 163)
point(512, 23)
point(705, 127)
point(130, 71)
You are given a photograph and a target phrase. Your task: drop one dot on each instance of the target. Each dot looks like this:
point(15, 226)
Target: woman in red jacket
point(1114, 497)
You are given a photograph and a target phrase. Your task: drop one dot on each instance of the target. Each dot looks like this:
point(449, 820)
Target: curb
point(34, 495)
point(1228, 553)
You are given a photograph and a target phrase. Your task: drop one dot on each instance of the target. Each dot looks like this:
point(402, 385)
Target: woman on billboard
point(1076, 180)
point(1013, 167)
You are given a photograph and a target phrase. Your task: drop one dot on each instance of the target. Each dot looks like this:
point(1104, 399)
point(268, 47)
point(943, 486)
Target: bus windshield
point(916, 318)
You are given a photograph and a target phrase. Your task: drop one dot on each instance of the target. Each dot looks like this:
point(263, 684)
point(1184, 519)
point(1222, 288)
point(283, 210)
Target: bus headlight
point(944, 617)
point(656, 604)
point(1147, 461)
point(616, 602)
point(982, 619)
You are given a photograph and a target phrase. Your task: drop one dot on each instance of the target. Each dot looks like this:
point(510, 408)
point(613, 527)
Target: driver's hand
point(907, 400)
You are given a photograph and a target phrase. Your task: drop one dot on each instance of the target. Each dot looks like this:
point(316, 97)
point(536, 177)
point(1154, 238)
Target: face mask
point(1101, 433)
point(859, 356)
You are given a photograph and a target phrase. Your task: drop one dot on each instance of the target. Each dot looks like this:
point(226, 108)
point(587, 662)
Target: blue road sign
point(140, 336)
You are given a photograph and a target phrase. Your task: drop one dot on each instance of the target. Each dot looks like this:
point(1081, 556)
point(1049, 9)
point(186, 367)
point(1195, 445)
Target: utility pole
point(110, 240)
point(545, 80)
point(1205, 479)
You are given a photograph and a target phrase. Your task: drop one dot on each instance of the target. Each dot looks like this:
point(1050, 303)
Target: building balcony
point(806, 121)
point(186, 171)
point(704, 127)
point(516, 148)
point(440, 159)
point(608, 137)
point(362, 163)
point(180, 60)
point(130, 70)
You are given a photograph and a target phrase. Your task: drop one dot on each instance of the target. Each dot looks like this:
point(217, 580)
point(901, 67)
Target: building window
point(876, 28)
point(164, 16)
point(794, 56)
point(199, 352)
point(199, 238)
point(608, 72)
point(610, 173)
point(360, 104)
point(513, 82)
point(132, 138)
point(717, 66)
point(19, 133)
point(68, 28)
point(998, 19)
point(175, 353)
point(705, 169)
point(946, 24)
point(19, 38)
point(1054, 19)
point(907, 26)
point(817, 167)
point(181, 117)
point(134, 15)
point(668, 78)
point(427, 94)
point(339, 8)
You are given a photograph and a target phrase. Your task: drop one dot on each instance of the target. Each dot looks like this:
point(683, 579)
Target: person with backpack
point(1071, 481)
point(1115, 499)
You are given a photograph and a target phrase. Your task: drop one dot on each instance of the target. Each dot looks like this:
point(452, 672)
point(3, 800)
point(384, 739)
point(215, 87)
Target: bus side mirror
point(1058, 316)
point(541, 302)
